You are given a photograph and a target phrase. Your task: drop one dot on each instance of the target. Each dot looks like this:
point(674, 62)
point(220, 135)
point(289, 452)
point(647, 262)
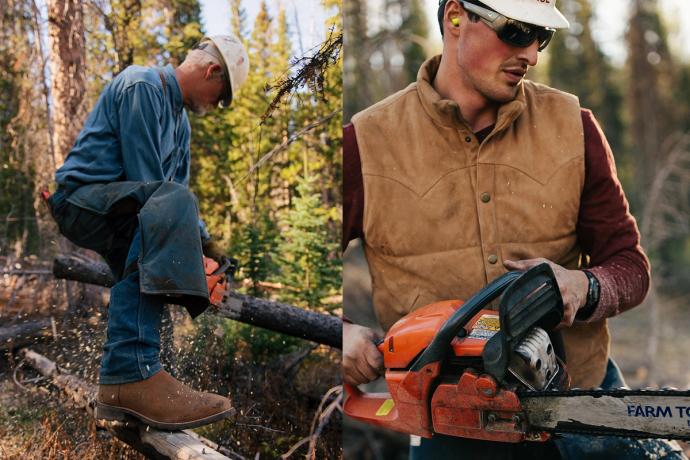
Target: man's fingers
point(352, 376)
point(367, 371)
point(374, 358)
point(523, 264)
point(568, 316)
point(362, 360)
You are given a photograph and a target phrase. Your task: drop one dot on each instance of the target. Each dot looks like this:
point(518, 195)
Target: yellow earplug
point(455, 21)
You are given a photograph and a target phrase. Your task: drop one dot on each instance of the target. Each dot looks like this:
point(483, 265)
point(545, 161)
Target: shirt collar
point(447, 113)
point(174, 87)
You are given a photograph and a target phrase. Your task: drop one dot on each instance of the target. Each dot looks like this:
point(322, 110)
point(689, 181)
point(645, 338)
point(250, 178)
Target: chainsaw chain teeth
point(617, 392)
point(609, 432)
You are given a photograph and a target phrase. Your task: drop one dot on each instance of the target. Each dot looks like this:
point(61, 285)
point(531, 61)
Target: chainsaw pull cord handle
point(438, 347)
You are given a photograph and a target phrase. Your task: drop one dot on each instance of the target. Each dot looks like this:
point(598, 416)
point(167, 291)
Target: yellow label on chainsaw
point(485, 327)
point(385, 408)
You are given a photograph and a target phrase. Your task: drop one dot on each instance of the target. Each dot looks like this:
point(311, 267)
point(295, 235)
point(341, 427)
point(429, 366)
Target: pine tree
point(307, 253)
point(238, 19)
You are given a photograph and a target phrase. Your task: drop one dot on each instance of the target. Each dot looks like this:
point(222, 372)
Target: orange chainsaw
point(460, 369)
point(219, 277)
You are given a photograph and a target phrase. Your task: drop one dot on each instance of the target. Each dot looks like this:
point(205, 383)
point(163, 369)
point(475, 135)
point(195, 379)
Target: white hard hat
point(234, 60)
point(538, 12)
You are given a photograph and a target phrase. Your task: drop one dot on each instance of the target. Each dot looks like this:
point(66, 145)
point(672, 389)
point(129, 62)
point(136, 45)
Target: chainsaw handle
point(229, 265)
point(438, 347)
point(352, 391)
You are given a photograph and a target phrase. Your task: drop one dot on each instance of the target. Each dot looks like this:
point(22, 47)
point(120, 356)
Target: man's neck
point(182, 76)
point(476, 110)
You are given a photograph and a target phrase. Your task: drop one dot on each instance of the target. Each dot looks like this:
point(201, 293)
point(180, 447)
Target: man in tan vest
point(472, 171)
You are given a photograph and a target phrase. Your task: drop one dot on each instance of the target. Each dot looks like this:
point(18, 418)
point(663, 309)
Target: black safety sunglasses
point(510, 31)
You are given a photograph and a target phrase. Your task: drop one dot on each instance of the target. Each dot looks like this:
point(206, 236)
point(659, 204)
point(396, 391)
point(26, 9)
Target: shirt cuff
point(203, 232)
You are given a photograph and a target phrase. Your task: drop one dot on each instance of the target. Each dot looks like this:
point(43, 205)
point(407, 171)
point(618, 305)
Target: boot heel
point(105, 412)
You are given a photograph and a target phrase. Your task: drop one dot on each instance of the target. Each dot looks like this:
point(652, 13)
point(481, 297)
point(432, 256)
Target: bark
point(67, 68)
point(275, 316)
point(151, 442)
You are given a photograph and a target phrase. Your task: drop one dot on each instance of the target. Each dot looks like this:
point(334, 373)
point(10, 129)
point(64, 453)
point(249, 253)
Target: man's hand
point(213, 250)
point(362, 361)
point(572, 283)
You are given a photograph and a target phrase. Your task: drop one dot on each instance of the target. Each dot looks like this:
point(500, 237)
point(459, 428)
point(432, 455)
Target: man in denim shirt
point(123, 192)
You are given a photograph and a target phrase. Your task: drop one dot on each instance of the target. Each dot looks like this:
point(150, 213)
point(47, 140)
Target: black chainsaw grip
point(438, 347)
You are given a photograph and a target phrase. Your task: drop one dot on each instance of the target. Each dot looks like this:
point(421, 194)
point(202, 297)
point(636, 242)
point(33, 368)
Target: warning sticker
point(485, 327)
point(385, 408)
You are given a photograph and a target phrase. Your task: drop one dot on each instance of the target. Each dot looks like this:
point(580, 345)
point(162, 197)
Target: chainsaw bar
point(619, 412)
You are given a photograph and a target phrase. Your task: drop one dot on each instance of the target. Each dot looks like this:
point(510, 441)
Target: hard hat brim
point(540, 16)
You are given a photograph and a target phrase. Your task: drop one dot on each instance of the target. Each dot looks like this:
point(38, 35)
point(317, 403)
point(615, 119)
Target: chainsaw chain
point(616, 392)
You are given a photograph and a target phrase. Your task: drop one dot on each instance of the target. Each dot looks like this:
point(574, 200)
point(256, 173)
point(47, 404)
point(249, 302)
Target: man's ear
point(453, 16)
point(213, 71)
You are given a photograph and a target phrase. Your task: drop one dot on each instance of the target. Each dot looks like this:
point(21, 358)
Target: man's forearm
point(624, 282)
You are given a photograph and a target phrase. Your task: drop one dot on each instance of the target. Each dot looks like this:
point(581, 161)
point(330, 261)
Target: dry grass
point(36, 425)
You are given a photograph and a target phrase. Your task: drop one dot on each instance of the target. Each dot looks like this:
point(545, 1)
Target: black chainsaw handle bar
point(438, 347)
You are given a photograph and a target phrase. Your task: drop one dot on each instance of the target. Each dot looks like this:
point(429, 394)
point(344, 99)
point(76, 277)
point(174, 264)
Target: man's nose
point(530, 54)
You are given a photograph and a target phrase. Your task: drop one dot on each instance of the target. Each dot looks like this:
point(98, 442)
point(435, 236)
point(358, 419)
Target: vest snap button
point(468, 139)
point(486, 197)
point(492, 259)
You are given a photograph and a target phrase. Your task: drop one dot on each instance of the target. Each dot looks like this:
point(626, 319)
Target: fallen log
point(20, 334)
point(73, 268)
point(177, 445)
point(267, 314)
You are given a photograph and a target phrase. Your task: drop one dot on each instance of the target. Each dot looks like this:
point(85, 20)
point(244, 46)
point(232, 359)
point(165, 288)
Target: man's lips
point(515, 74)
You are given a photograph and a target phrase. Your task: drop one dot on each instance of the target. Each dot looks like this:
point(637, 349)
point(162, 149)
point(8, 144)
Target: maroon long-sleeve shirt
point(606, 231)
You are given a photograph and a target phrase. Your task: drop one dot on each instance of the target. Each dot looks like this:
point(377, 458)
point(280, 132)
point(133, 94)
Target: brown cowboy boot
point(161, 402)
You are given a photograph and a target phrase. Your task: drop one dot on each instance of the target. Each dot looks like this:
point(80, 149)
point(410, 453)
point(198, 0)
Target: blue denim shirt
point(138, 131)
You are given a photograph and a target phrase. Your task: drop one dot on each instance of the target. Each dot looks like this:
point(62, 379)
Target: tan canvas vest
point(442, 211)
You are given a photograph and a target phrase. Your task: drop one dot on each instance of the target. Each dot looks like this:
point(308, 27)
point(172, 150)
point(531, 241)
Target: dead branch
point(311, 72)
point(275, 316)
point(323, 415)
point(151, 442)
point(320, 420)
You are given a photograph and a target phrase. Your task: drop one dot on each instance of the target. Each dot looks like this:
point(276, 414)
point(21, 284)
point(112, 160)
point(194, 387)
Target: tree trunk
point(67, 68)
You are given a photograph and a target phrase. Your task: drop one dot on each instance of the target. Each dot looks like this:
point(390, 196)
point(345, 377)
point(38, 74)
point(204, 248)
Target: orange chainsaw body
point(435, 362)
point(473, 406)
point(218, 279)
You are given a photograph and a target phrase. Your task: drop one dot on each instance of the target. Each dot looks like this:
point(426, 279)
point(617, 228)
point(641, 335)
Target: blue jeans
point(148, 234)
point(132, 348)
point(567, 447)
